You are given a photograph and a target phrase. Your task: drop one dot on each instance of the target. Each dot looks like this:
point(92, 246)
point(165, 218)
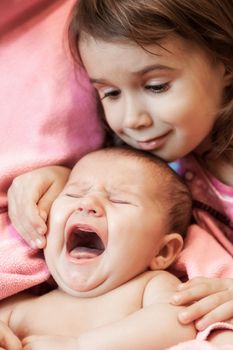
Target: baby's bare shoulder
point(9, 305)
point(159, 287)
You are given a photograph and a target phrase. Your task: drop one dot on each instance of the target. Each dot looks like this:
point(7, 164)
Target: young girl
point(163, 72)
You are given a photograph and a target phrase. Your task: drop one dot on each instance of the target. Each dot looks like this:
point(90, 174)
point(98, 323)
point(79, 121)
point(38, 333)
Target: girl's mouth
point(84, 244)
point(153, 144)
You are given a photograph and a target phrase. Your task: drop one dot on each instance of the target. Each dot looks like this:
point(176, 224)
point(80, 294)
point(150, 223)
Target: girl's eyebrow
point(142, 71)
point(98, 81)
point(150, 68)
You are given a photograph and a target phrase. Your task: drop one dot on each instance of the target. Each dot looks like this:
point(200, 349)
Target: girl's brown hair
point(208, 23)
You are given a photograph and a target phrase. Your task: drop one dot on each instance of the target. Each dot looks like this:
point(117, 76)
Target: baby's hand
point(30, 198)
point(210, 299)
point(8, 340)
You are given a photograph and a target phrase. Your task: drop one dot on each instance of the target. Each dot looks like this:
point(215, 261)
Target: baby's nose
point(90, 206)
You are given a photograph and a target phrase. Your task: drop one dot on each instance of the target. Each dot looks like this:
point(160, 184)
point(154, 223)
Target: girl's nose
point(138, 121)
point(90, 206)
point(136, 117)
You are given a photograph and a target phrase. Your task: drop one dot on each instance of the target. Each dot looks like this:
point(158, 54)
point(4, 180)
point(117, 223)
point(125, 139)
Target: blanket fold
point(21, 267)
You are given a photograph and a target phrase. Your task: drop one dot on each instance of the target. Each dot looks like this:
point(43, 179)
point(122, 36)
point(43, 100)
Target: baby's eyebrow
point(78, 187)
point(126, 190)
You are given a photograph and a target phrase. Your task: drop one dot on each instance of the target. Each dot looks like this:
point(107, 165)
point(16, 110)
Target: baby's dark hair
point(208, 23)
point(175, 195)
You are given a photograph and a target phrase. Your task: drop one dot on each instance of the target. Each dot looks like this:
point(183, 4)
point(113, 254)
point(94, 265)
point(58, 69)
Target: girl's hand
point(8, 340)
point(210, 299)
point(30, 198)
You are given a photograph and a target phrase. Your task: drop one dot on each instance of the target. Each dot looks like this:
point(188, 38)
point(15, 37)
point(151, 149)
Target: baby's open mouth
point(83, 244)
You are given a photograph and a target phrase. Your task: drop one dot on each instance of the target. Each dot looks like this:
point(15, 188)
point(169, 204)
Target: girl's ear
point(228, 78)
point(171, 246)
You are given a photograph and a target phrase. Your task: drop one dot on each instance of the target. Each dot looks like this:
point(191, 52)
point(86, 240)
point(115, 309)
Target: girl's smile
point(162, 98)
point(155, 143)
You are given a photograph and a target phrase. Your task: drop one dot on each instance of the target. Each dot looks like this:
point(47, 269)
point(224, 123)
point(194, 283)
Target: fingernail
point(39, 243)
point(176, 299)
point(180, 286)
point(184, 316)
point(33, 244)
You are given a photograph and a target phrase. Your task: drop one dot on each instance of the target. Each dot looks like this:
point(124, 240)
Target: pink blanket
point(20, 266)
point(47, 107)
point(200, 345)
point(203, 256)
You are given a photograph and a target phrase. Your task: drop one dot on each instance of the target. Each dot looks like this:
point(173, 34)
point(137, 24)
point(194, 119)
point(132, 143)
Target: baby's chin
point(80, 291)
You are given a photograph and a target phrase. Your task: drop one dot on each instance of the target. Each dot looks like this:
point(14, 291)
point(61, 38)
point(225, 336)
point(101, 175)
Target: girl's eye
point(113, 94)
point(158, 88)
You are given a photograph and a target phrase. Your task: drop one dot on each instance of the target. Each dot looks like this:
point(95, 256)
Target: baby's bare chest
point(61, 314)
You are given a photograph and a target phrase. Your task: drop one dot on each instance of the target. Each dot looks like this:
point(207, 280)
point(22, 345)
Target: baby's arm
point(38, 189)
point(147, 328)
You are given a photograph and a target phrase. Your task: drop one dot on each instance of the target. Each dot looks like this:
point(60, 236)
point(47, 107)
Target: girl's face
point(162, 99)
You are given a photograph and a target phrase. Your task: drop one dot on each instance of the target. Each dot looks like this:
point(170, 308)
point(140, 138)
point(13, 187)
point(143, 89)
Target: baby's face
point(106, 225)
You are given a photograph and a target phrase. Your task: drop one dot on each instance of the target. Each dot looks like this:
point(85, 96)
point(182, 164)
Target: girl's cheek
point(112, 122)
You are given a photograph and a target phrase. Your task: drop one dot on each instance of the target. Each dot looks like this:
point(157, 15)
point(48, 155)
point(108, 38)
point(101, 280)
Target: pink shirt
point(213, 200)
point(208, 246)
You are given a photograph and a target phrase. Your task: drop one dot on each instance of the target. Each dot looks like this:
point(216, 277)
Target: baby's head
point(163, 71)
point(121, 213)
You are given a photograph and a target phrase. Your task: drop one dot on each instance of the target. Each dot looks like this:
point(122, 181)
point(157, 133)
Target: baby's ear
point(171, 246)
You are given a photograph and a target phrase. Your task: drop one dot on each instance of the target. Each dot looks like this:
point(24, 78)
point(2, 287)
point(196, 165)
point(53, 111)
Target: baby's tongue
point(85, 253)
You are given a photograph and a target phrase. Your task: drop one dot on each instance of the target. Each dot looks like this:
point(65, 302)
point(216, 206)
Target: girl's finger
point(223, 312)
point(190, 283)
point(211, 283)
point(198, 292)
point(190, 295)
point(46, 201)
point(205, 306)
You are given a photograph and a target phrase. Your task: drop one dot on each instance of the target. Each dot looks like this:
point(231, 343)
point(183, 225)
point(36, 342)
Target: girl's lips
point(153, 144)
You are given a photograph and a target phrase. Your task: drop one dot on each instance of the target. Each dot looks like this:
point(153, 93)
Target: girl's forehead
point(173, 51)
